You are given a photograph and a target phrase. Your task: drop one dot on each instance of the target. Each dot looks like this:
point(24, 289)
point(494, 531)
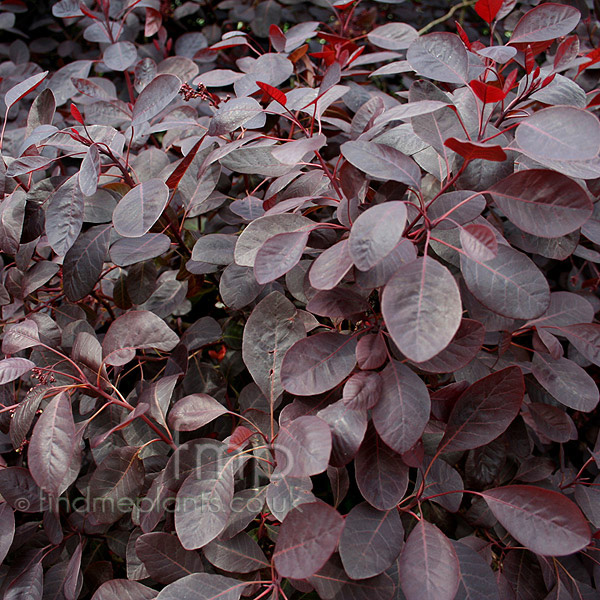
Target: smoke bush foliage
point(298, 301)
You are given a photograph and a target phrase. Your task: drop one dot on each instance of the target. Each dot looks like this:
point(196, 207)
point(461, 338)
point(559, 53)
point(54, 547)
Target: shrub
point(298, 301)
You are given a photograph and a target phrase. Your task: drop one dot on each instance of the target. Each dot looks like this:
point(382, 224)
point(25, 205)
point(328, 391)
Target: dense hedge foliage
point(298, 300)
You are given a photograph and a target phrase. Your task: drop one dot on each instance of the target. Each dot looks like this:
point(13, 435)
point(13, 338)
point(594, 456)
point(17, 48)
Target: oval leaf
point(52, 447)
point(428, 566)
point(382, 162)
point(155, 97)
point(484, 410)
point(544, 203)
point(13, 368)
point(303, 447)
point(440, 56)
point(375, 233)
point(195, 411)
point(544, 521)
point(371, 541)
point(140, 208)
point(422, 308)
point(134, 330)
point(316, 364)
point(510, 284)
point(307, 538)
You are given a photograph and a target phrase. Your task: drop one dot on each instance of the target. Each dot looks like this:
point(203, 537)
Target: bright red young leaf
point(272, 92)
point(76, 114)
point(488, 9)
point(472, 150)
point(487, 92)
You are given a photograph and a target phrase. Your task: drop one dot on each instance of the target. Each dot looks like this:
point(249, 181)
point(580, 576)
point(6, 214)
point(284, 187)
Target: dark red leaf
point(472, 150)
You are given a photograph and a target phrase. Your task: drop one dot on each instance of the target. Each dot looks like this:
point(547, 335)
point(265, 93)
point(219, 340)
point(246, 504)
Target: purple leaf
point(120, 56)
point(428, 566)
point(165, 559)
point(382, 162)
point(124, 590)
point(422, 308)
point(544, 521)
point(13, 368)
point(565, 308)
point(318, 363)
point(19, 336)
point(371, 541)
point(363, 390)
point(562, 133)
point(332, 582)
point(260, 230)
point(441, 479)
point(292, 153)
point(371, 351)
point(484, 410)
point(28, 585)
point(393, 36)
point(278, 255)
point(119, 476)
point(585, 337)
point(7, 529)
point(478, 241)
point(510, 284)
point(543, 203)
point(20, 490)
point(27, 164)
point(348, 426)
point(203, 586)
point(64, 215)
point(341, 302)
point(240, 554)
point(463, 348)
point(461, 206)
point(23, 88)
point(376, 233)
point(140, 208)
point(381, 475)
point(234, 114)
point(53, 445)
point(90, 170)
point(72, 582)
point(307, 538)
point(476, 576)
point(197, 525)
point(271, 330)
point(156, 96)
point(545, 22)
point(303, 447)
point(330, 267)
point(195, 411)
point(83, 262)
point(440, 56)
point(403, 410)
point(128, 251)
point(286, 493)
point(134, 330)
point(566, 381)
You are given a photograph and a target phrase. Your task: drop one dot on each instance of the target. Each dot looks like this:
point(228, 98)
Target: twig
point(447, 16)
